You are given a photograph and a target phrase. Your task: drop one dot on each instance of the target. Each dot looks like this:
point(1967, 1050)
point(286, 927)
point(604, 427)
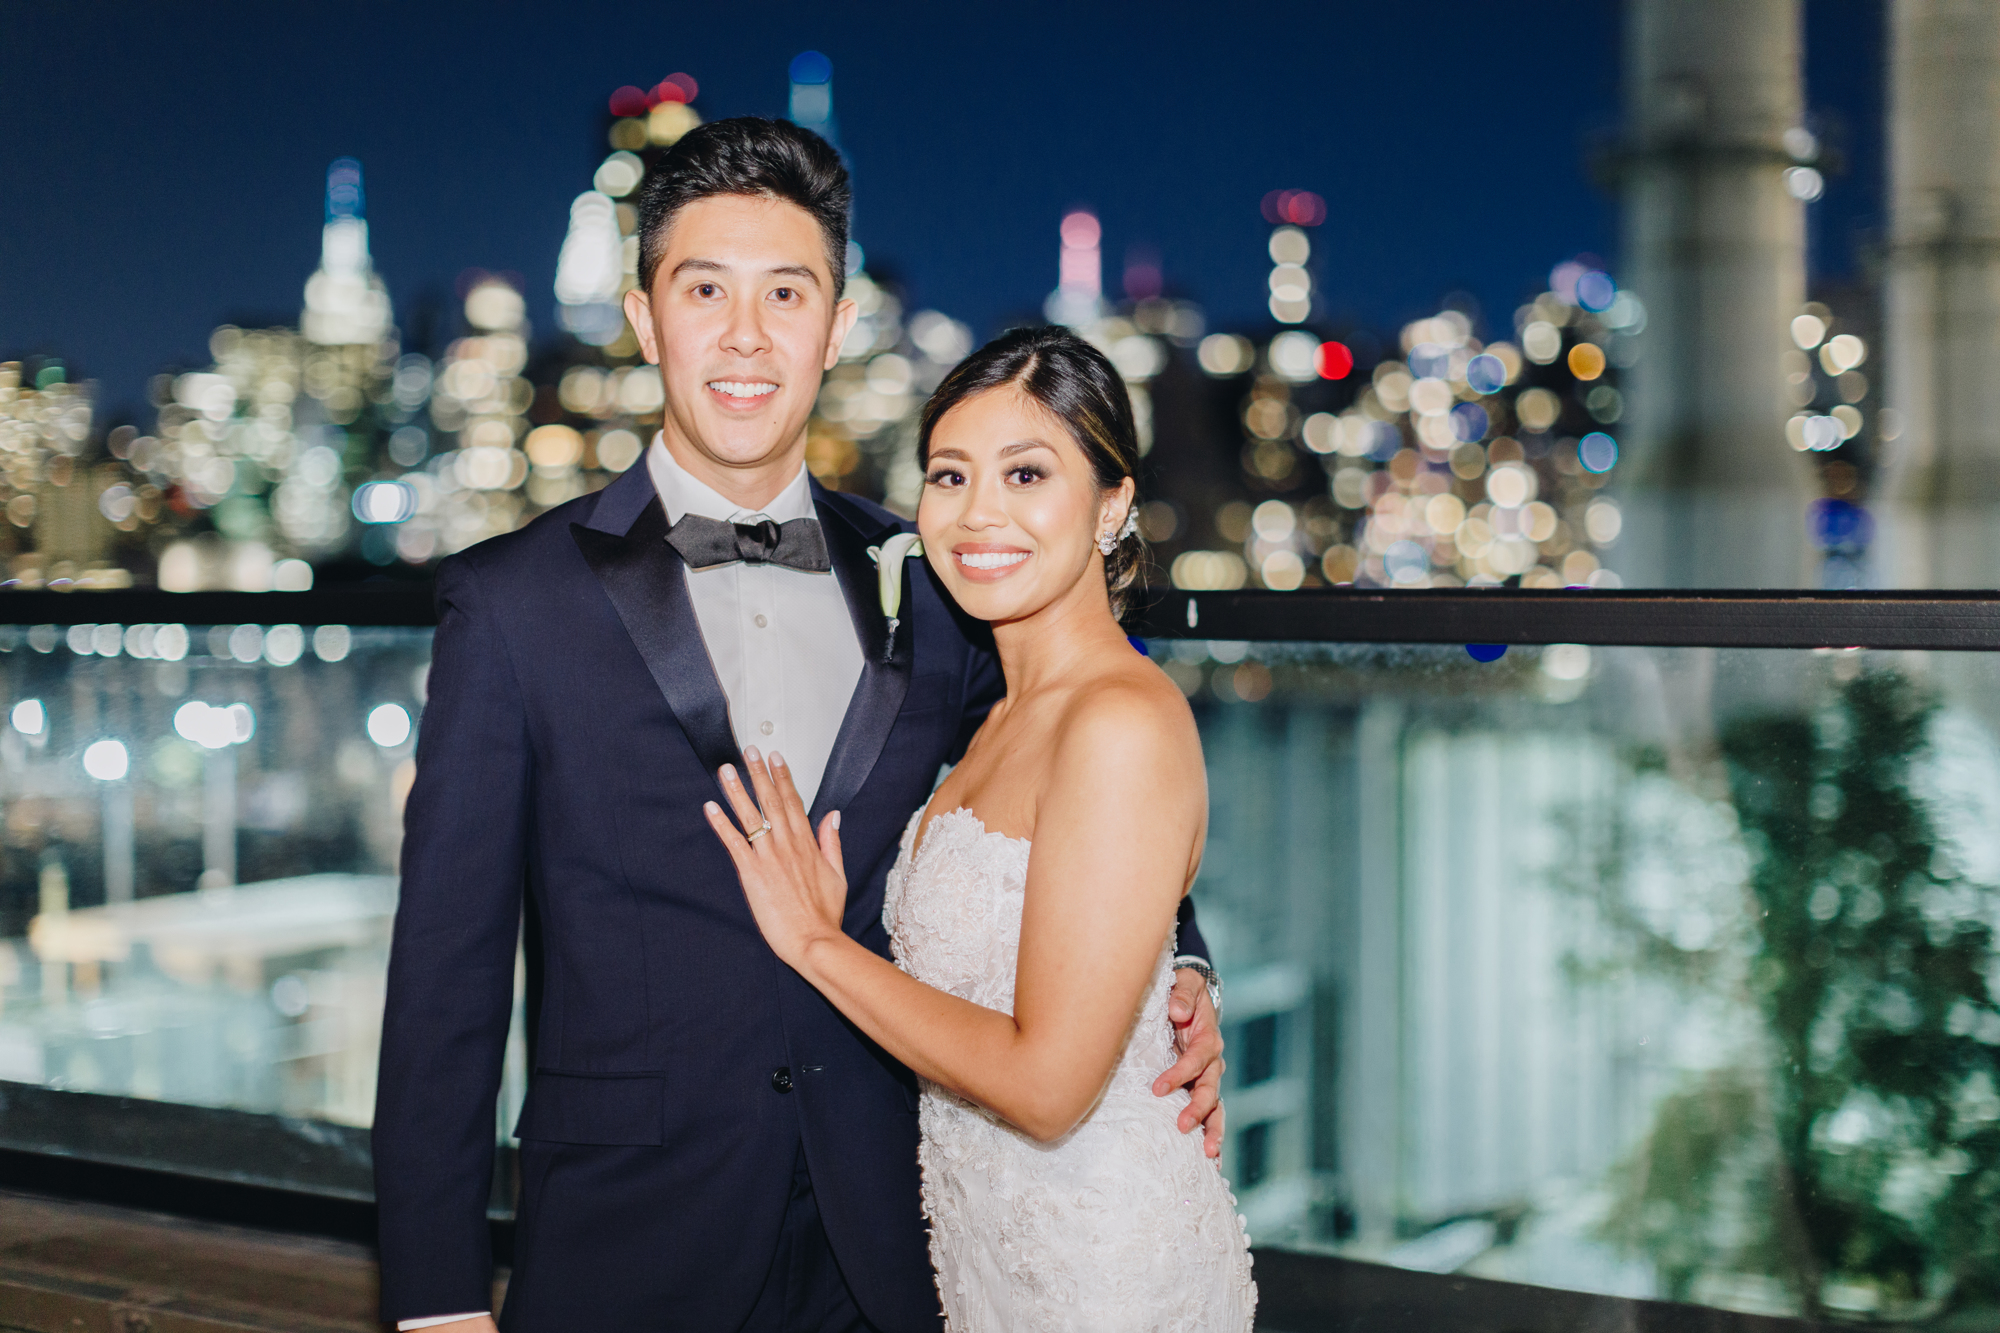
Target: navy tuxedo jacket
point(571, 734)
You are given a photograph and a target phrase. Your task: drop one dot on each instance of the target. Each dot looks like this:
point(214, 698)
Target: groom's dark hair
point(752, 157)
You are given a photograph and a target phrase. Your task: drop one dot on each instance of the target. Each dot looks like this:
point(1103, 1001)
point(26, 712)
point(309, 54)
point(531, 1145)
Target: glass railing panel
point(1654, 972)
point(1647, 971)
point(197, 859)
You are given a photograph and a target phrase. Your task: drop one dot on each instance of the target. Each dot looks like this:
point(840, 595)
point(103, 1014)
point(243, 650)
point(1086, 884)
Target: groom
point(706, 1144)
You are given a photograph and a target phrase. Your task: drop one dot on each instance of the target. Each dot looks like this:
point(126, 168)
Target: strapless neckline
point(919, 838)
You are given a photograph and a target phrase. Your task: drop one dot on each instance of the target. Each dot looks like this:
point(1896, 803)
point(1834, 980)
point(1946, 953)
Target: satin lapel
point(646, 581)
point(878, 696)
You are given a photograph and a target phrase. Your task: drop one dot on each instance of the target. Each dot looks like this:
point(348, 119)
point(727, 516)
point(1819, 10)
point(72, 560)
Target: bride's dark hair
point(1076, 382)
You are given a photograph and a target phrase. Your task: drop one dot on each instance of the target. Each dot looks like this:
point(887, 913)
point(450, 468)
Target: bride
point(1031, 910)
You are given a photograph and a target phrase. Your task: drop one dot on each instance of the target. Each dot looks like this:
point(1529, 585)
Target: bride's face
point(1011, 511)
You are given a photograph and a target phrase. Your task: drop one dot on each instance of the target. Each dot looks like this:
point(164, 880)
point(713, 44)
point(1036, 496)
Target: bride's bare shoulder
point(1131, 715)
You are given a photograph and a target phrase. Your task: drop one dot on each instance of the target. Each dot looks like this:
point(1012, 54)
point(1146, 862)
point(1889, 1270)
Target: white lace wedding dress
point(1121, 1226)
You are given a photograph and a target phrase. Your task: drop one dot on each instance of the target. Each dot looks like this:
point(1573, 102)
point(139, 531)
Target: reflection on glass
point(197, 859)
point(1640, 971)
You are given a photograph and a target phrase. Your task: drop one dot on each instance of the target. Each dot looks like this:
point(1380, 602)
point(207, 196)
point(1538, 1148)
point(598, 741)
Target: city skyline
point(1506, 200)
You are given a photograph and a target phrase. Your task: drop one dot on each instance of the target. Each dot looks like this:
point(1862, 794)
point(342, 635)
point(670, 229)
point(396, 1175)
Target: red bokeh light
point(676, 88)
point(1333, 361)
point(1143, 279)
point(1301, 208)
point(629, 101)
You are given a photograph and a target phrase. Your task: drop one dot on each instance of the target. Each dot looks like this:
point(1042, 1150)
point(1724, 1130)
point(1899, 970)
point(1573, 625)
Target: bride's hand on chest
point(795, 881)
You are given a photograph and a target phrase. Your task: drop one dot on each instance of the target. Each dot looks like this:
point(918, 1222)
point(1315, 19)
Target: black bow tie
point(707, 542)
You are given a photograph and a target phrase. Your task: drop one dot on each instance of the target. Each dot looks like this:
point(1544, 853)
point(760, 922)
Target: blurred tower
point(811, 105)
point(599, 261)
point(1288, 212)
point(1078, 299)
point(1715, 245)
point(1940, 483)
point(346, 303)
point(591, 273)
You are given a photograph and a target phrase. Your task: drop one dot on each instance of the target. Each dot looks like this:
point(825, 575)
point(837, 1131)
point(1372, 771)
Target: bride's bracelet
point(1189, 963)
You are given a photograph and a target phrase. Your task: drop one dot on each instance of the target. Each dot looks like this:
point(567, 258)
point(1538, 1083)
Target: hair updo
point(1079, 385)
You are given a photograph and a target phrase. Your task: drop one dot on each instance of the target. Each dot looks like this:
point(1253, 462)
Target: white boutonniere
point(889, 558)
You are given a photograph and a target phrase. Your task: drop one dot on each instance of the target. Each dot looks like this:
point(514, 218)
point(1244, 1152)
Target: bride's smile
point(984, 562)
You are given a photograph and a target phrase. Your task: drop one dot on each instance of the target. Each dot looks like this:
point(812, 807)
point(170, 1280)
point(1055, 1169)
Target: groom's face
point(742, 322)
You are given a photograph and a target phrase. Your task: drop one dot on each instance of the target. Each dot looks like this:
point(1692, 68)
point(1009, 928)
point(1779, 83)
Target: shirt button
point(762, 622)
point(781, 1080)
point(766, 728)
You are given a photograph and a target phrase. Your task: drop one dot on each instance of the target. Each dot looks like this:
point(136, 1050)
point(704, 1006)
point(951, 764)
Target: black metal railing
point(1965, 621)
point(1732, 618)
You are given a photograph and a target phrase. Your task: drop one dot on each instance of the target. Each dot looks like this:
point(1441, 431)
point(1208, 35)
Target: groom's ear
point(639, 314)
point(845, 312)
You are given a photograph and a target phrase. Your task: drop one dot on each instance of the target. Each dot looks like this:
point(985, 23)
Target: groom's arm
point(1197, 1038)
point(451, 965)
point(1191, 945)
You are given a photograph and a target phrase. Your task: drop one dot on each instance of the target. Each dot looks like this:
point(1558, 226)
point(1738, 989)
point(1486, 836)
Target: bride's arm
point(1115, 837)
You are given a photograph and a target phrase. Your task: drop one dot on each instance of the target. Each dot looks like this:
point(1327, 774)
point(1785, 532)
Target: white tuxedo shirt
point(781, 639)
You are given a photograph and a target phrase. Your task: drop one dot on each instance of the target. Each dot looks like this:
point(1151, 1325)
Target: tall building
point(346, 303)
point(1078, 299)
point(1715, 245)
point(260, 453)
point(1940, 482)
point(599, 260)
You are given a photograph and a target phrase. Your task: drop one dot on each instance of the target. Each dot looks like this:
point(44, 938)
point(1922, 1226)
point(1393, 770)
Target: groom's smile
point(748, 393)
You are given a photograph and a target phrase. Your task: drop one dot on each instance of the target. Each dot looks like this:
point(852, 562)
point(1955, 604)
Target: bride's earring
point(1107, 541)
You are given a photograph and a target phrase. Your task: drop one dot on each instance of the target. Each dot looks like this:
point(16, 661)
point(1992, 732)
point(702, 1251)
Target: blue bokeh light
point(811, 67)
point(1595, 291)
point(1597, 452)
point(1387, 441)
point(1469, 422)
point(1486, 373)
point(1839, 524)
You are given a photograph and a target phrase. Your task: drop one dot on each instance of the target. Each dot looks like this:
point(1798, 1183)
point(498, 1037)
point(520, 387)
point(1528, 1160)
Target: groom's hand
point(1199, 1039)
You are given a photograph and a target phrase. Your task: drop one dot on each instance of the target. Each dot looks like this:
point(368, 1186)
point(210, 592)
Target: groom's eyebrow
point(716, 266)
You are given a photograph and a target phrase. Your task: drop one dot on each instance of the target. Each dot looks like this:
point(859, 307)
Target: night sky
point(163, 165)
